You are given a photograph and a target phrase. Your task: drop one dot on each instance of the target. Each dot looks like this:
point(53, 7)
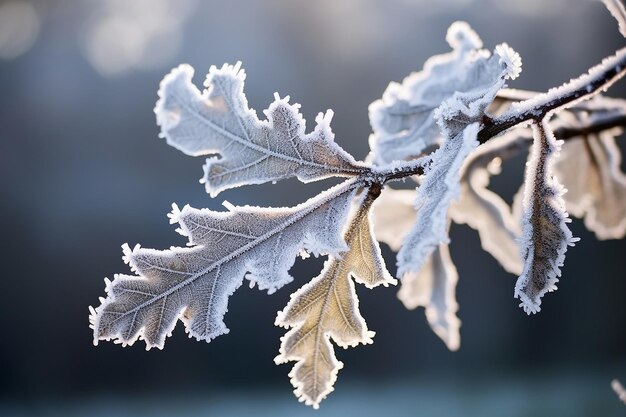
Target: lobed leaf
point(327, 307)
point(193, 284)
point(404, 121)
point(251, 151)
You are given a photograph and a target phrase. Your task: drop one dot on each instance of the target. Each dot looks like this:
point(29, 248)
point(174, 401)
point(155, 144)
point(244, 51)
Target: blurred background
point(82, 171)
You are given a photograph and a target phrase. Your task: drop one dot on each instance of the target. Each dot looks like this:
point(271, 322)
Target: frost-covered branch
point(429, 128)
point(598, 78)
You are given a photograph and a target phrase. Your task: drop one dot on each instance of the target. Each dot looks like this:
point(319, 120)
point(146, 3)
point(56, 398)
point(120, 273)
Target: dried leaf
point(596, 187)
point(545, 235)
point(394, 214)
point(434, 288)
point(251, 151)
point(328, 307)
point(193, 284)
point(589, 167)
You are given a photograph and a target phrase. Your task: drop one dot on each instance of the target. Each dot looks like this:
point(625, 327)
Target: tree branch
point(598, 78)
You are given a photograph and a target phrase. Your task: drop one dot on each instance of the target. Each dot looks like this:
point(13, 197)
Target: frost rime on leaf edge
point(545, 235)
point(327, 307)
point(217, 121)
point(193, 284)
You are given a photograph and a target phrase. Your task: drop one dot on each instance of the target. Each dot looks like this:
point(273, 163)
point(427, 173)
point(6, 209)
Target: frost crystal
point(616, 7)
point(218, 121)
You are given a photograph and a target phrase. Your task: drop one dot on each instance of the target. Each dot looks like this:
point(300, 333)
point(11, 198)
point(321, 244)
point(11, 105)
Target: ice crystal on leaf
point(327, 307)
point(251, 151)
point(616, 7)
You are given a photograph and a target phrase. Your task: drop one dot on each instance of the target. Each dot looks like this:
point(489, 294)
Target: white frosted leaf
point(483, 209)
point(439, 187)
point(193, 284)
point(434, 288)
point(616, 7)
point(403, 121)
point(251, 151)
point(589, 168)
point(327, 307)
point(545, 235)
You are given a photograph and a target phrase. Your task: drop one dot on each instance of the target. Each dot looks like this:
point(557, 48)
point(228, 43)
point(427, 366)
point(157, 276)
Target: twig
point(598, 78)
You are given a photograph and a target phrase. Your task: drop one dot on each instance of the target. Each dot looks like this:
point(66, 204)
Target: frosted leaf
point(616, 7)
point(251, 151)
point(404, 122)
point(458, 117)
point(545, 235)
point(434, 288)
point(589, 167)
point(484, 210)
point(193, 284)
point(439, 187)
point(327, 307)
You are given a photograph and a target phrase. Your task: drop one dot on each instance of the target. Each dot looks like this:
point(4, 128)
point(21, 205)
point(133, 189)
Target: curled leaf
point(597, 188)
point(589, 167)
point(434, 288)
point(545, 235)
point(483, 209)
